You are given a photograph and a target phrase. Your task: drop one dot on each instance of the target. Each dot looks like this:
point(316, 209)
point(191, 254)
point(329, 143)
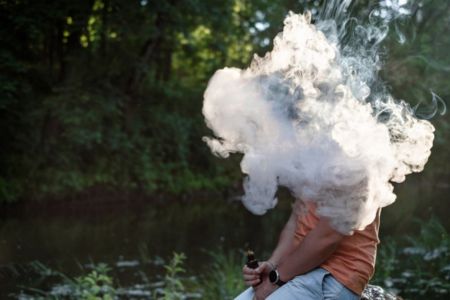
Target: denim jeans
point(316, 284)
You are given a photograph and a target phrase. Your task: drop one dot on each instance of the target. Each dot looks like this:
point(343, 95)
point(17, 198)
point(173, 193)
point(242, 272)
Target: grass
point(414, 267)
point(223, 280)
point(96, 284)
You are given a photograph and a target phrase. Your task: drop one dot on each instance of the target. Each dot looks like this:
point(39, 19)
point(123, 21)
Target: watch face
point(273, 276)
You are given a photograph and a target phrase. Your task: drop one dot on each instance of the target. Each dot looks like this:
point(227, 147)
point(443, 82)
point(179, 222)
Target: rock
point(373, 292)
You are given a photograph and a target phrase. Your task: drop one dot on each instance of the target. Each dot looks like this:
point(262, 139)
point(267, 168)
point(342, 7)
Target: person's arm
point(315, 248)
point(286, 244)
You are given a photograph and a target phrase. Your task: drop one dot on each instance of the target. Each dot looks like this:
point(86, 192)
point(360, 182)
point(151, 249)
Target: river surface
point(128, 233)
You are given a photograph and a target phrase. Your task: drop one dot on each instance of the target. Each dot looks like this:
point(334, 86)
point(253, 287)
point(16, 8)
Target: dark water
point(125, 233)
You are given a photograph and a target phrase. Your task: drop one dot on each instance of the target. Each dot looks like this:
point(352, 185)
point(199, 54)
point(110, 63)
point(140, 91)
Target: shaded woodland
point(107, 94)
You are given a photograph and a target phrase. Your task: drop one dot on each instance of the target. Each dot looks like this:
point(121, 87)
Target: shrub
point(417, 265)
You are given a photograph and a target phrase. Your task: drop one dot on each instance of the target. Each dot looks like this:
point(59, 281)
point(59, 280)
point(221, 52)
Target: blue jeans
point(316, 284)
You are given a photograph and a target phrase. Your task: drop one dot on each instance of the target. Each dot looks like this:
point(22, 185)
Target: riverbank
point(415, 266)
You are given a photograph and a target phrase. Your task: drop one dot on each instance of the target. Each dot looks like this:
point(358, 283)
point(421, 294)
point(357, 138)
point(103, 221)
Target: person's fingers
point(262, 267)
point(250, 277)
point(247, 270)
point(252, 282)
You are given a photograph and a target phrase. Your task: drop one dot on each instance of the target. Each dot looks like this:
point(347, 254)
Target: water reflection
point(137, 237)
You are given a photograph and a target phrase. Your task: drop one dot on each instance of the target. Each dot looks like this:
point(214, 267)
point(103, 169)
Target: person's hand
point(253, 277)
point(264, 268)
point(263, 290)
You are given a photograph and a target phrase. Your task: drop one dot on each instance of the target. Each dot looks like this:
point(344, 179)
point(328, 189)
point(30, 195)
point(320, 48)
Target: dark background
point(107, 94)
point(101, 155)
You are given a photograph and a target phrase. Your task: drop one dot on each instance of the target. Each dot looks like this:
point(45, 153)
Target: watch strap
point(277, 279)
point(280, 282)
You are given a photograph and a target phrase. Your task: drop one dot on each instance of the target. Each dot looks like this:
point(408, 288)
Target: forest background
point(101, 94)
point(100, 100)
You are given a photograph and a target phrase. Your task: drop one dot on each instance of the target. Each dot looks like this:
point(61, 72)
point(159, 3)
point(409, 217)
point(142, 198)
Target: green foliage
point(108, 93)
point(96, 285)
point(417, 266)
point(9, 191)
point(174, 288)
point(92, 95)
point(222, 279)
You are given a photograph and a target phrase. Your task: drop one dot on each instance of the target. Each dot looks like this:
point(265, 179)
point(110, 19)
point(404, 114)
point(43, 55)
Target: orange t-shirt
point(353, 261)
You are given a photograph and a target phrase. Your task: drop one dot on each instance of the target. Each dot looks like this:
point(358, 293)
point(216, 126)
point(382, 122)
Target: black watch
point(274, 278)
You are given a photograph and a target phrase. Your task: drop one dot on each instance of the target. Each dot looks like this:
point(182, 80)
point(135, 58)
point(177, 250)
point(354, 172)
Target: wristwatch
point(274, 278)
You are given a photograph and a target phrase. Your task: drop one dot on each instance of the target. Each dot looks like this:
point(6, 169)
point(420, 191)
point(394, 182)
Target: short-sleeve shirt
point(353, 261)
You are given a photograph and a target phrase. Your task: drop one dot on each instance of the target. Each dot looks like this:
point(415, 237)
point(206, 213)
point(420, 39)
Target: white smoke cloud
point(303, 119)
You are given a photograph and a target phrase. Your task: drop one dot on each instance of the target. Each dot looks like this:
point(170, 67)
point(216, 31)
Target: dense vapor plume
point(311, 115)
